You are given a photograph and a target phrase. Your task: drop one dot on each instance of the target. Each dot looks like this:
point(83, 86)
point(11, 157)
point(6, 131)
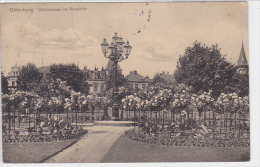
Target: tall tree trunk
point(14, 119)
point(220, 122)
point(209, 118)
point(9, 123)
point(195, 114)
point(156, 118)
point(76, 118)
point(171, 116)
point(174, 116)
point(239, 127)
point(230, 120)
point(163, 120)
point(29, 119)
point(204, 108)
point(235, 120)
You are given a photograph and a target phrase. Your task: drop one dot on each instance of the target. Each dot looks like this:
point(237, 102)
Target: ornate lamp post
point(116, 52)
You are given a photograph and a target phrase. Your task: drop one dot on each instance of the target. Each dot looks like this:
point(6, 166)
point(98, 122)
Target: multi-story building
point(97, 78)
point(12, 78)
point(137, 81)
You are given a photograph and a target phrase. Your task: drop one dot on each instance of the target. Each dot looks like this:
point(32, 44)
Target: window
point(13, 83)
point(143, 86)
point(95, 88)
point(242, 71)
point(102, 87)
point(136, 86)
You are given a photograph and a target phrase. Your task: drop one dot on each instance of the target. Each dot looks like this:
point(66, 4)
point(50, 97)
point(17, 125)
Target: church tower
point(242, 64)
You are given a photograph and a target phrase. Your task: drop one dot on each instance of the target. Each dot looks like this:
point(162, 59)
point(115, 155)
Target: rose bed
point(177, 139)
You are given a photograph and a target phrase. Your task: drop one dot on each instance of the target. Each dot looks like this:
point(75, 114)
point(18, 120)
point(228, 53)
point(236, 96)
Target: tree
point(53, 93)
point(205, 68)
point(70, 73)
point(240, 84)
point(4, 84)
point(29, 77)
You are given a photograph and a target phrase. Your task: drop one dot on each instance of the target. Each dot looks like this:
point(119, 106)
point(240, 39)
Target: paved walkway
point(92, 147)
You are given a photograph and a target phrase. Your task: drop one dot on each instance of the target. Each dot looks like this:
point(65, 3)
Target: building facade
point(97, 78)
point(137, 81)
point(12, 78)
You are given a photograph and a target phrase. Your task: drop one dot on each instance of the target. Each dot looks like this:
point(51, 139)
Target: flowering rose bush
point(39, 104)
point(105, 102)
point(180, 101)
point(182, 97)
point(131, 102)
point(204, 101)
point(244, 105)
point(228, 102)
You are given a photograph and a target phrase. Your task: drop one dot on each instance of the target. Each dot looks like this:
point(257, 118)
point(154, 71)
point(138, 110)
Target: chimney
point(135, 72)
point(147, 78)
point(168, 73)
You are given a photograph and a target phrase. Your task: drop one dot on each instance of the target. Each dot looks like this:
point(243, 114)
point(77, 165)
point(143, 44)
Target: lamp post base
point(116, 119)
point(115, 113)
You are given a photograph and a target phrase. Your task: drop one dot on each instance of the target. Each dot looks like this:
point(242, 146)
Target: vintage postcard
point(125, 82)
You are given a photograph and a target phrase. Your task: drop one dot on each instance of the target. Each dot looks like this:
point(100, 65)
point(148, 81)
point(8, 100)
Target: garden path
point(92, 147)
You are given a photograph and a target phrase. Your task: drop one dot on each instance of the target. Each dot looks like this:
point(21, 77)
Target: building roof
point(15, 67)
point(44, 69)
point(242, 61)
point(135, 77)
point(166, 77)
point(109, 66)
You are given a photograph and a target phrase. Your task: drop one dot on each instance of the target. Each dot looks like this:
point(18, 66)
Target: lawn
point(33, 152)
point(127, 150)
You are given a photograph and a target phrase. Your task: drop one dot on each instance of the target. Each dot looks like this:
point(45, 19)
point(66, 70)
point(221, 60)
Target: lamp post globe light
point(117, 51)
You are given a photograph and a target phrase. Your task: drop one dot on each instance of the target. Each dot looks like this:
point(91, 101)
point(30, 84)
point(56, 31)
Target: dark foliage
point(240, 84)
point(29, 77)
point(70, 73)
point(4, 84)
point(205, 68)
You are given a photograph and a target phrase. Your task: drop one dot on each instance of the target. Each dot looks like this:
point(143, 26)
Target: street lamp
point(117, 51)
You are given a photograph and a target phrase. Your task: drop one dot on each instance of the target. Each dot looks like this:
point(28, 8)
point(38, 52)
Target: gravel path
point(92, 147)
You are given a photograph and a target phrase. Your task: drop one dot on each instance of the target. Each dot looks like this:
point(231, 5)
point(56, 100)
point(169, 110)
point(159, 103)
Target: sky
point(157, 32)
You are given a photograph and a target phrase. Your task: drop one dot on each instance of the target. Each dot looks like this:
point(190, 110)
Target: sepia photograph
point(138, 82)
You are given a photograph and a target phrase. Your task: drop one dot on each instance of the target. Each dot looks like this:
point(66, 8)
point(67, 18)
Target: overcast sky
point(158, 33)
